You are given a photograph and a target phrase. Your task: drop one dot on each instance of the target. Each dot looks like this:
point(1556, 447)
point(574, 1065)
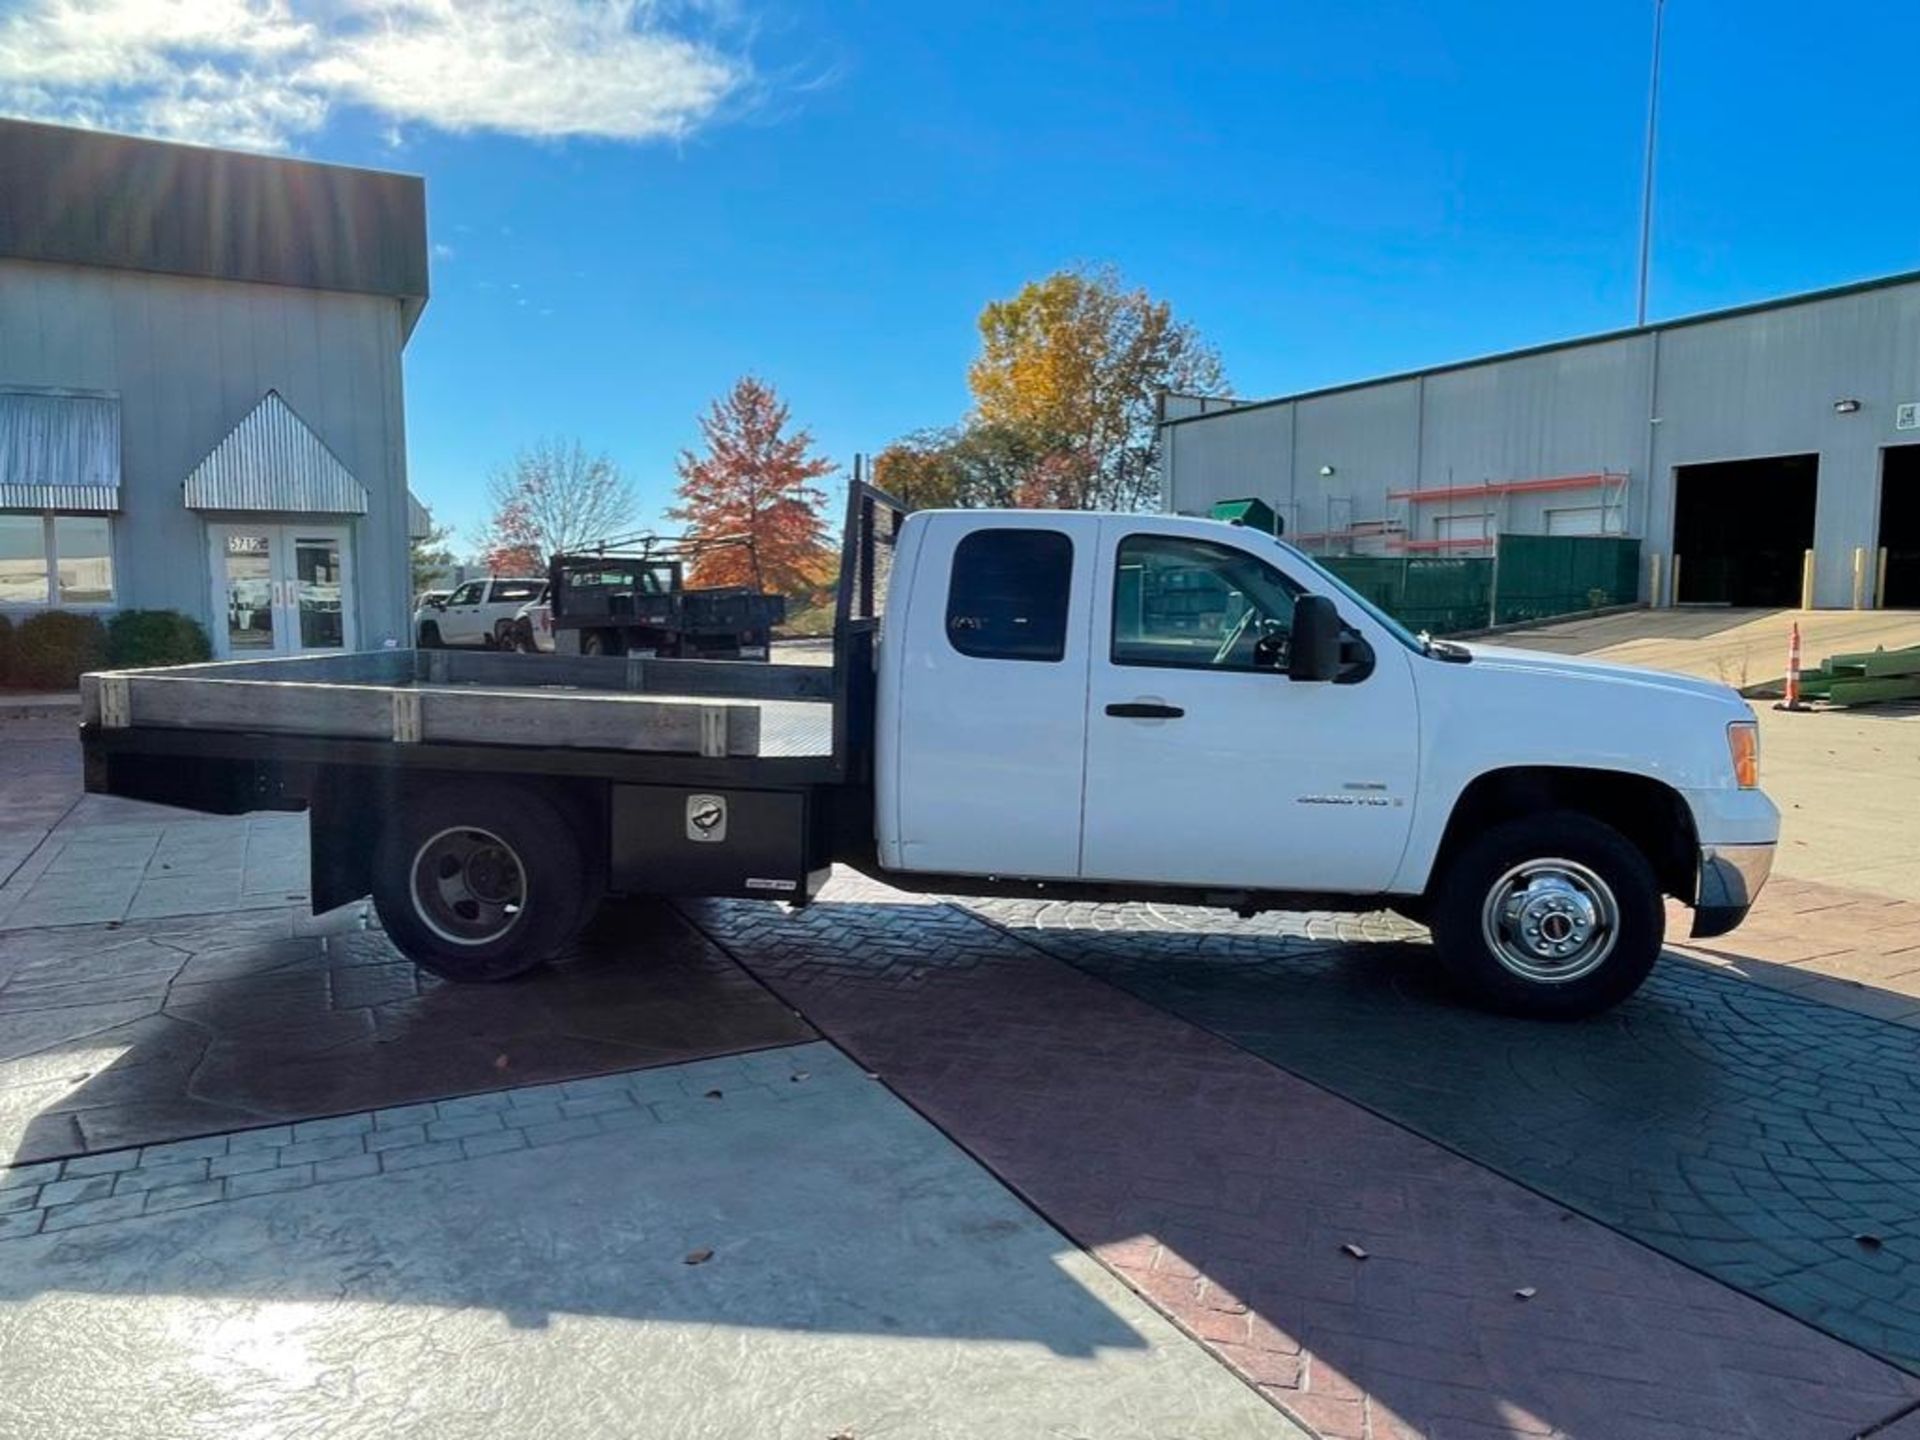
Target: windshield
point(1340, 587)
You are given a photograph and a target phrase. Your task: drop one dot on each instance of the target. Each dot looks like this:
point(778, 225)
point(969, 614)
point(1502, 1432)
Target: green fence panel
point(1539, 577)
point(1542, 576)
point(1441, 595)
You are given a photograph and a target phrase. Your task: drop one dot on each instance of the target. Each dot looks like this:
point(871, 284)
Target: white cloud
point(261, 73)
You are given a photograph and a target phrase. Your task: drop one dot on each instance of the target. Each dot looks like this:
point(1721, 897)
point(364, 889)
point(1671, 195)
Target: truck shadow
point(835, 1211)
point(153, 1031)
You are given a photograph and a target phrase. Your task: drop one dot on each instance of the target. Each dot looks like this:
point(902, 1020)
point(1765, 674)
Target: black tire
point(513, 856)
point(1554, 916)
point(503, 635)
point(601, 642)
point(523, 640)
point(430, 637)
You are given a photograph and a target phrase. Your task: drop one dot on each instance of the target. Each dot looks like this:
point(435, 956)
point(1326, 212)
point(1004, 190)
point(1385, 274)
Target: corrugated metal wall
point(1751, 384)
point(189, 359)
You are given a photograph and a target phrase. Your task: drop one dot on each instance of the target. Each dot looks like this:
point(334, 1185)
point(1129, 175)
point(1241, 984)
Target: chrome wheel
point(1550, 921)
point(469, 887)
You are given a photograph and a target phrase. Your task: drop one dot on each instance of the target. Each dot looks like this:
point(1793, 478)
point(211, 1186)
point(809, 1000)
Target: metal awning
point(59, 451)
point(272, 461)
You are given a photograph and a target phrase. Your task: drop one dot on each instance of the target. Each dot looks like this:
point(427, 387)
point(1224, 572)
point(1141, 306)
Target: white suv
point(479, 614)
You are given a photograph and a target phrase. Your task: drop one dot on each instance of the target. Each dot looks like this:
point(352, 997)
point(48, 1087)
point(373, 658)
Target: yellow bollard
point(1806, 582)
point(1653, 580)
point(1859, 577)
point(1880, 582)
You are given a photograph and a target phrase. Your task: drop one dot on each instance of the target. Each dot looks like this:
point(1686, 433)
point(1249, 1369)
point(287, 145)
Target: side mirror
point(1313, 651)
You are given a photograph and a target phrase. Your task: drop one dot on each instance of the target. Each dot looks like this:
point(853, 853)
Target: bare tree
point(555, 497)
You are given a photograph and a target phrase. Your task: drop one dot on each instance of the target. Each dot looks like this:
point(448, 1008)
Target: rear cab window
point(517, 591)
point(1008, 595)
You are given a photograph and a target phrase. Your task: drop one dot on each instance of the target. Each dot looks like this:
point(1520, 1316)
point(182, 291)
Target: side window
point(1009, 593)
point(516, 591)
point(467, 594)
point(1191, 603)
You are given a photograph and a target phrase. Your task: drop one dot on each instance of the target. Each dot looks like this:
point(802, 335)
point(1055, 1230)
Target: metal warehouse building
point(200, 387)
point(1761, 454)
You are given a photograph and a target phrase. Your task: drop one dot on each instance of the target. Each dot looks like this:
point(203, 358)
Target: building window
point(83, 559)
point(56, 560)
point(23, 560)
point(1009, 594)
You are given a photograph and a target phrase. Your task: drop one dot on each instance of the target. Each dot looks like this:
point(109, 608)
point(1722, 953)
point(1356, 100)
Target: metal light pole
point(1646, 180)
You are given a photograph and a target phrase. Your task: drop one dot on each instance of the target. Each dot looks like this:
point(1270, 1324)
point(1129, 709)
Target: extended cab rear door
point(983, 692)
point(1206, 765)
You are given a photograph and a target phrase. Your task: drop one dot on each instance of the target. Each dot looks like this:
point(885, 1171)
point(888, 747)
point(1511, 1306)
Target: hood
point(1575, 667)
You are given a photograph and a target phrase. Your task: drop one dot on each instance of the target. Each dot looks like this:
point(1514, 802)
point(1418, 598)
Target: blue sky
point(825, 194)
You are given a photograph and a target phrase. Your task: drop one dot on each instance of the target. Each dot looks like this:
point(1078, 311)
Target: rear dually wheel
point(480, 882)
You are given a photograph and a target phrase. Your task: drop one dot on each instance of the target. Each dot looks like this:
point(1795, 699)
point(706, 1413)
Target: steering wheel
point(1233, 638)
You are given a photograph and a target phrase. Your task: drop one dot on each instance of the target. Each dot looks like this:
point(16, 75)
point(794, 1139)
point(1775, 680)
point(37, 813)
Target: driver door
point(460, 621)
point(1206, 765)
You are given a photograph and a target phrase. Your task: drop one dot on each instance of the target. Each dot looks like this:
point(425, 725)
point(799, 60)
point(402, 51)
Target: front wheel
point(480, 882)
point(1555, 916)
point(430, 637)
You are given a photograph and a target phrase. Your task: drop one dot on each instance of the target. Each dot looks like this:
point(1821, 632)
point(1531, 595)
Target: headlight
point(1743, 743)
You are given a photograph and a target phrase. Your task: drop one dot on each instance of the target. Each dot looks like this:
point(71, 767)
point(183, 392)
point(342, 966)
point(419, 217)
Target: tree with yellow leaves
point(1075, 364)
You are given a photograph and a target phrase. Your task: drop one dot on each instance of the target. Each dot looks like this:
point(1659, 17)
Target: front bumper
point(1731, 877)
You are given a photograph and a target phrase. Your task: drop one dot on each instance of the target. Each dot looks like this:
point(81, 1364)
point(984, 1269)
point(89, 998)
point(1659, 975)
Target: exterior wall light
point(1326, 470)
point(1845, 407)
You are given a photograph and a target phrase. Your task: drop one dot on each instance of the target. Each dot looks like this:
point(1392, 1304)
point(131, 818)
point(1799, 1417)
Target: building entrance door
point(281, 589)
point(1900, 526)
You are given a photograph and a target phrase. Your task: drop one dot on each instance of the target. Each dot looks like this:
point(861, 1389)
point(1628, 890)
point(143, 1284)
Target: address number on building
point(1907, 416)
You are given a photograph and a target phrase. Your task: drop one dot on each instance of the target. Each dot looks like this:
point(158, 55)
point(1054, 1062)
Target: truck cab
point(1146, 701)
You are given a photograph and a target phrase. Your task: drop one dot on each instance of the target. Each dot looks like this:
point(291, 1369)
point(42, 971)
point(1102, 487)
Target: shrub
point(155, 637)
point(52, 650)
point(6, 651)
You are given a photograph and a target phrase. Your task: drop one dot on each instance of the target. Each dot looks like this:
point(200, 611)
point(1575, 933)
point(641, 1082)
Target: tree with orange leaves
point(755, 482)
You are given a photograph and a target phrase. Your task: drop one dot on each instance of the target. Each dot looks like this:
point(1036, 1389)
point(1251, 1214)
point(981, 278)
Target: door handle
point(1144, 710)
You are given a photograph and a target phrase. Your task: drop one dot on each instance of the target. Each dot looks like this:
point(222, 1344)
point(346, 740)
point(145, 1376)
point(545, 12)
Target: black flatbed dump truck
point(488, 801)
point(629, 597)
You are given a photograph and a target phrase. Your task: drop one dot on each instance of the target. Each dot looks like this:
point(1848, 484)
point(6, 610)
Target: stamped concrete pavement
point(1228, 1190)
point(1764, 1140)
point(769, 1246)
point(67, 858)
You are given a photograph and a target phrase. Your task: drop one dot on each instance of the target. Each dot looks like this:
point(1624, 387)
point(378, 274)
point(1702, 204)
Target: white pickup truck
point(1021, 702)
point(479, 614)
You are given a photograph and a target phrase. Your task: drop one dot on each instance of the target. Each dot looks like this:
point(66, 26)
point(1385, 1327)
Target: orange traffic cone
point(1792, 702)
